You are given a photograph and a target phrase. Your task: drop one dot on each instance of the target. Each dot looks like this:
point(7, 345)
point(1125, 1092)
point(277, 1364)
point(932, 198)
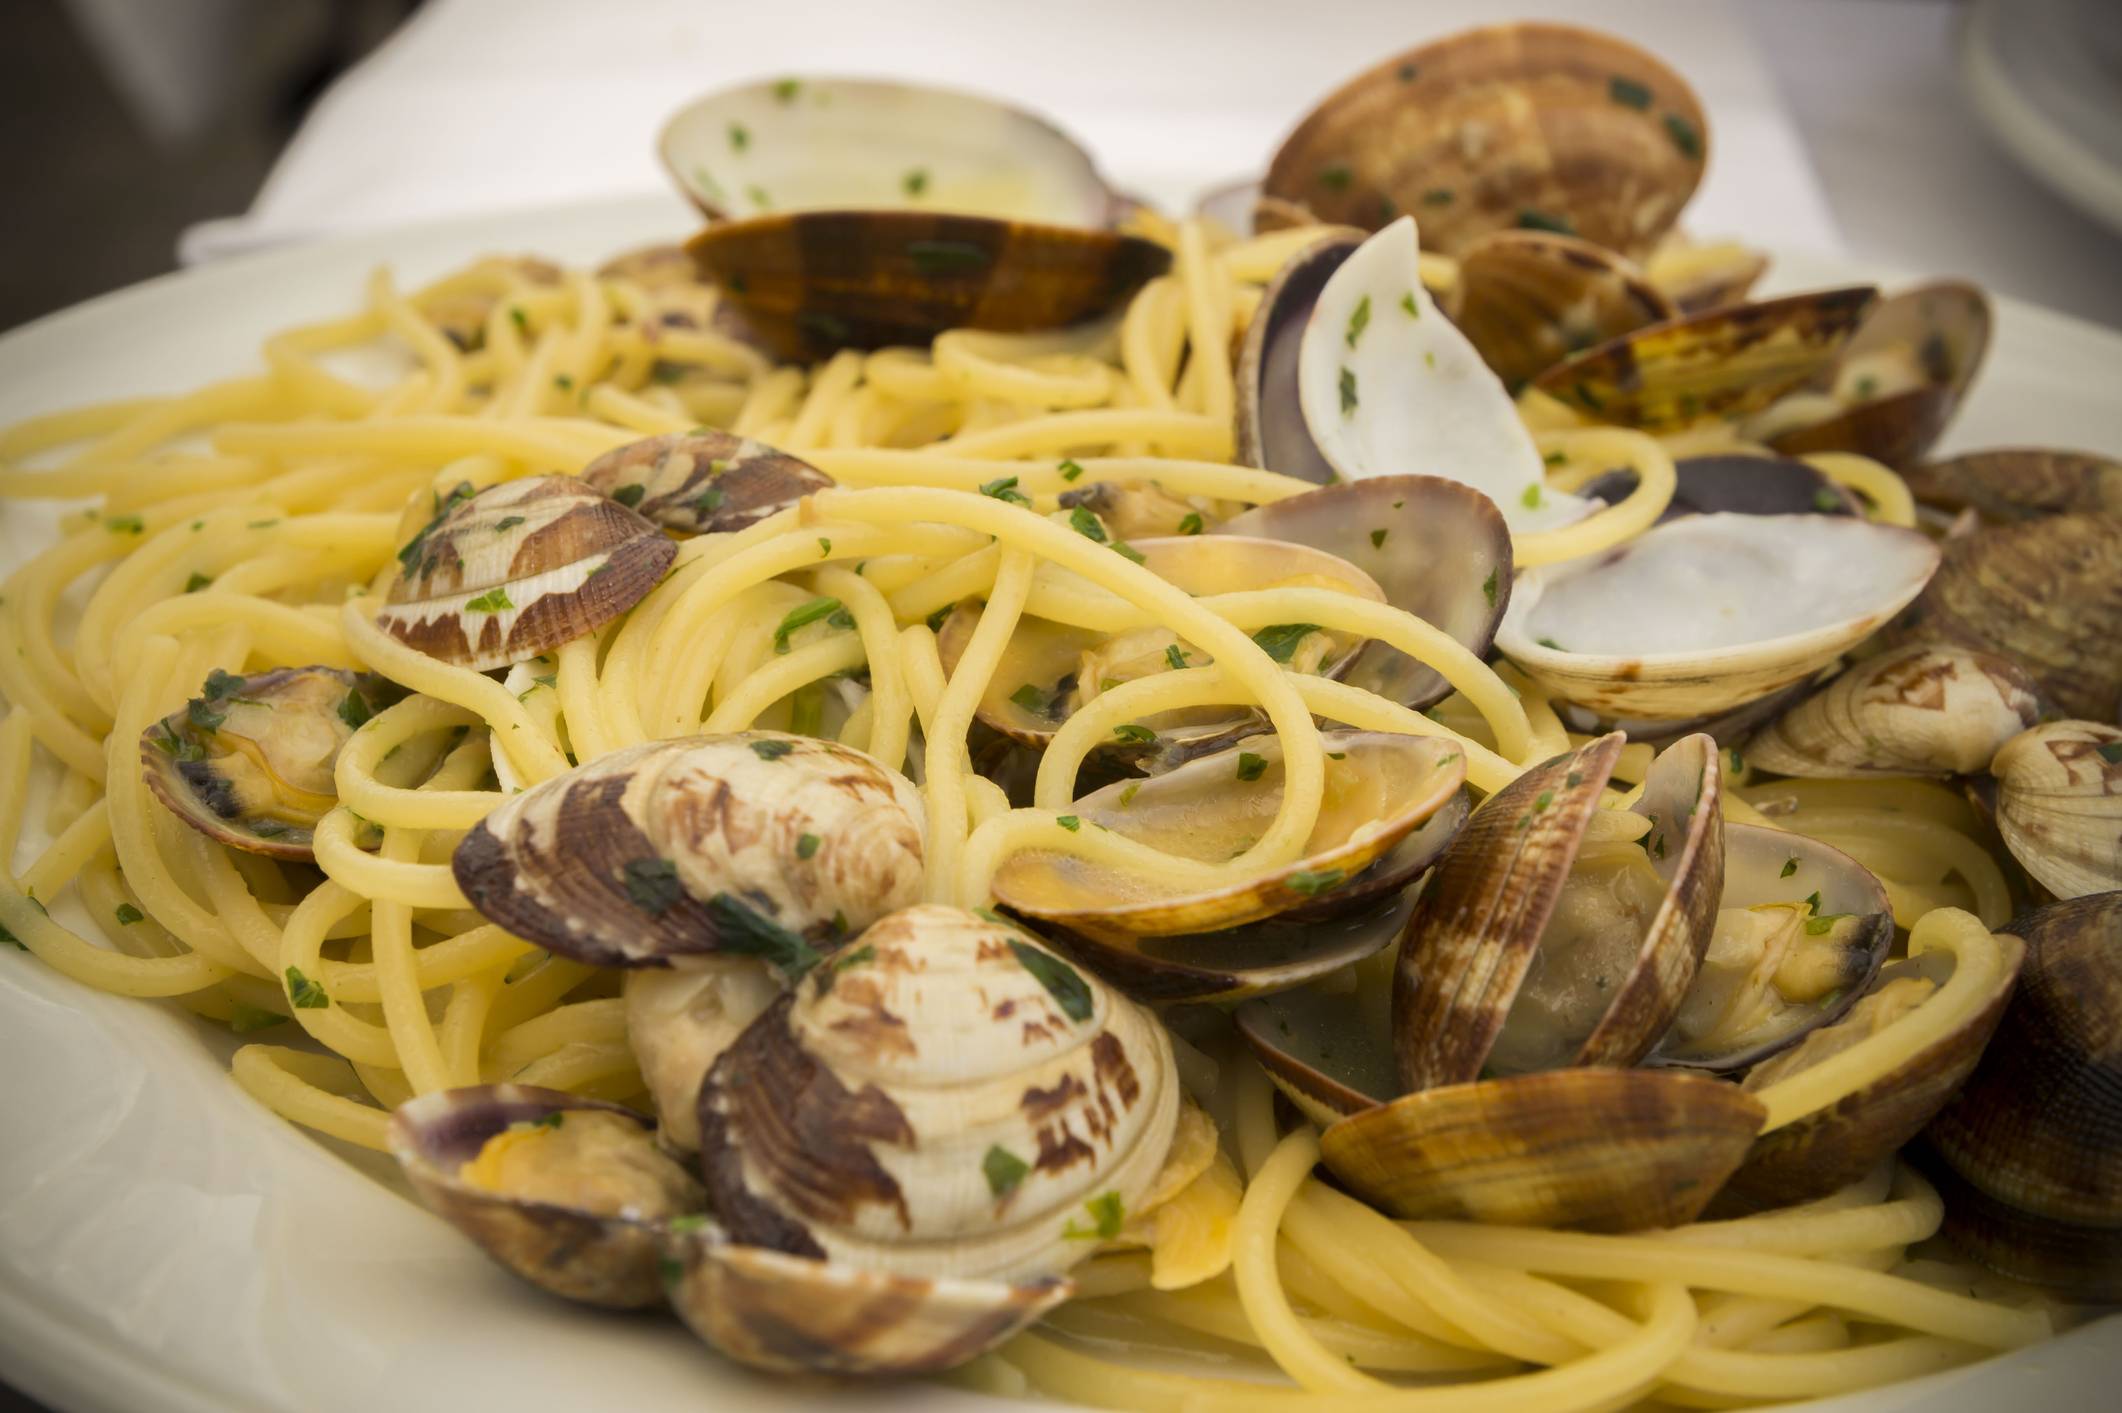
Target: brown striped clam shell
point(1924, 709)
point(518, 569)
point(704, 482)
point(757, 842)
point(1529, 299)
point(2059, 805)
point(2020, 483)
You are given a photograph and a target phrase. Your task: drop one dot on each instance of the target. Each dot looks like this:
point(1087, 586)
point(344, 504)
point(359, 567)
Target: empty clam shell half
point(704, 482)
point(1509, 125)
point(819, 142)
point(1924, 709)
point(571, 1194)
point(1727, 362)
point(1271, 433)
point(248, 762)
point(1706, 613)
point(1596, 1149)
point(2059, 805)
point(1439, 549)
point(1528, 299)
point(1214, 808)
point(2020, 483)
point(757, 843)
point(1739, 483)
point(1531, 951)
point(1800, 930)
point(518, 569)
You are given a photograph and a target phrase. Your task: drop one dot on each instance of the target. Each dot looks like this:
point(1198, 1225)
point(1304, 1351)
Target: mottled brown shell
point(1271, 431)
point(2059, 805)
point(2020, 483)
point(704, 482)
point(518, 569)
point(1520, 124)
point(1724, 362)
point(810, 283)
point(1923, 709)
point(1595, 1149)
point(1528, 299)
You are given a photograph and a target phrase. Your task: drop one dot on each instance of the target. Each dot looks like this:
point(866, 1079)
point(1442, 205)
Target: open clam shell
point(2045, 593)
point(2059, 805)
point(2033, 1187)
point(1727, 362)
point(1511, 125)
point(792, 1314)
point(1529, 299)
point(1737, 483)
point(580, 1212)
point(1271, 433)
point(518, 569)
point(1048, 669)
point(1605, 1150)
point(1377, 792)
point(758, 843)
point(2020, 483)
point(704, 482)
point(1801, 929)
point(1439, 549)
point(1924, 709)
point(1832, 1147)
point(1504, 966)
point(809, 283)
point(249, 761)
point(1710, 612)
point(1898, 383)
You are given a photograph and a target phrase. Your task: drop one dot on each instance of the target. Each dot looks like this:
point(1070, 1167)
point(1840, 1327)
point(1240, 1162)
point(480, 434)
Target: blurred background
point(125, 124)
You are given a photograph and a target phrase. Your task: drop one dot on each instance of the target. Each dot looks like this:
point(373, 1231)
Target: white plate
point(2046, 75)
point(168, 1246)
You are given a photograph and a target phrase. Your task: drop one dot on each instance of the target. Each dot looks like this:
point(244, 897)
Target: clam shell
point(1606, 1150)
point(945, 1098)
point(810, 283)
point(1923, 709)
point(2020, 483)
point(1382, 788)
point(276, 732)
point(2047, 594)
point(698, 845)
point(1698, 277)
point(1465, 958)
point(1328, 1045)
point(2048, 1191)
point(679, 1020)
point(1439, 549)
point(1497, 127)
point(1832, 1147)
point(704, 482)
point(1725, 362)
point(518, 569)
point(1739, 484)
point(790, 1314)
point(2059, 805)
point(1528, 299)
point(607, 1259)
point(1271, 432)
point(1707, 613)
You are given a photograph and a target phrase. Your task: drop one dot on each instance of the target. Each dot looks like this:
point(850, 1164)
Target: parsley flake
point(1071, 823)
point(494, 600)
point(1684, 136)
point(772, 749)
point(1191, 523)
point(1004, 488)
point(1173, 656)
point(1004, 1170)
point(739, 927)
point(1407, 302)
point(1790, 866)
point(127, 914)
point(1488, 588)
point(1359, 321)
point(1312, 882)
point(1336, 177)
point(1250, 766)
point(1062, 983)
point(1628, 93)
point(1279, 640)
point(1069, 469)
point(1108, 1215)
point(1129, 731)
point(1377, 539)
point(197, 582)
point(1086, 524)
point(1530, 219)
point(354, 709)
point(914, 182)
point(630, 495)
point(807, 846)
point(306, 994)
point(802, 616)
point(1348, 391)
point(652, 884)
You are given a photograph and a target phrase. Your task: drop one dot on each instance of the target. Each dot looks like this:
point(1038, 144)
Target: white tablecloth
point(482, 105)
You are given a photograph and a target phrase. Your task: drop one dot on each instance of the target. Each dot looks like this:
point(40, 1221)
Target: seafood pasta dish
point(1393, 793)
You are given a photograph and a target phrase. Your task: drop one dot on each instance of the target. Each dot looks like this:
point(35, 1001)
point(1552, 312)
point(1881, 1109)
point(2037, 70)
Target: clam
point(1437, 548)
point(1722, 363)
point(1923, 709)
point(1707, 613)
point(757, 843)
point(1800, 930)
point(1740, 483)
point(518, 569)
point(249, 761)
point(1327, 1045)
point(1384, 384)
point(2020, 483)
point(1830, 1148)
point(946, 1112)
point(1379, 788)
point(1528, 299)
point(704, 482)
point(1530, 950)
point(1523, 125)
point(2059, 805)
point(2045, 593)
point(571, 1194)
point(1050, 669)
point(679, 1020)
point(1897, 384)
point(1605, 1150)
point(2028, 1147)
point(1136, 510)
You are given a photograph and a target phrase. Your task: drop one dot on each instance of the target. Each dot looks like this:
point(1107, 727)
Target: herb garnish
point(1004, 1170)
point(1250, 766)
point(739, 927)
point(306, 994)
point(494, 600)
point(801, 616)
point(1279, 640)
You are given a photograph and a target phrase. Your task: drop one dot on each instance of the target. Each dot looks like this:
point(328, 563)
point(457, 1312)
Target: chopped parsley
point(1279, 640)
point(1348, 391)
point(1003, 1169)
point(740, 137)
point(1031, 699)
point(1128, 551)
point(825, 548)
point(629, 495)
point(1407, 302)
point(125, 524)
point(197, 582)
point(1437, 196)
point(1086, 524)
point(1062, 983)
point(1531, 219)
point(1250, 766)
point(1069, 469)
point(1359, 321)
point(1551, 643)
point(854, 956)
point(563, 381)
point(1684, 136)
point(1826, 501)
point(127, 914)
point(739, 927)
point(1488, 588)
point(1071, 823)
point(1790, 866)
point(708, 502)
point(1174, 657)
point(2111, 752)
point(1628, 93)
point(652, 884)
point(1377, 539)
point(1128, 793)
point(947, 257)
point(354, 709)
point(306, 994)
point(1312, 882)
point(1005, 488)
point(1191, 523)
point(520, 319)
point(494, 600)
point(1336, 177)
point(785, 90)
point(1531, 499)
point(244, 1019)
point(1812, 901)
point(510, 522)
point(802, 616)
point(1822, 925)
point(1108, 1215)
point(914, 182)
point(772, 749)
point(807, 845)
point(1129, 731)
